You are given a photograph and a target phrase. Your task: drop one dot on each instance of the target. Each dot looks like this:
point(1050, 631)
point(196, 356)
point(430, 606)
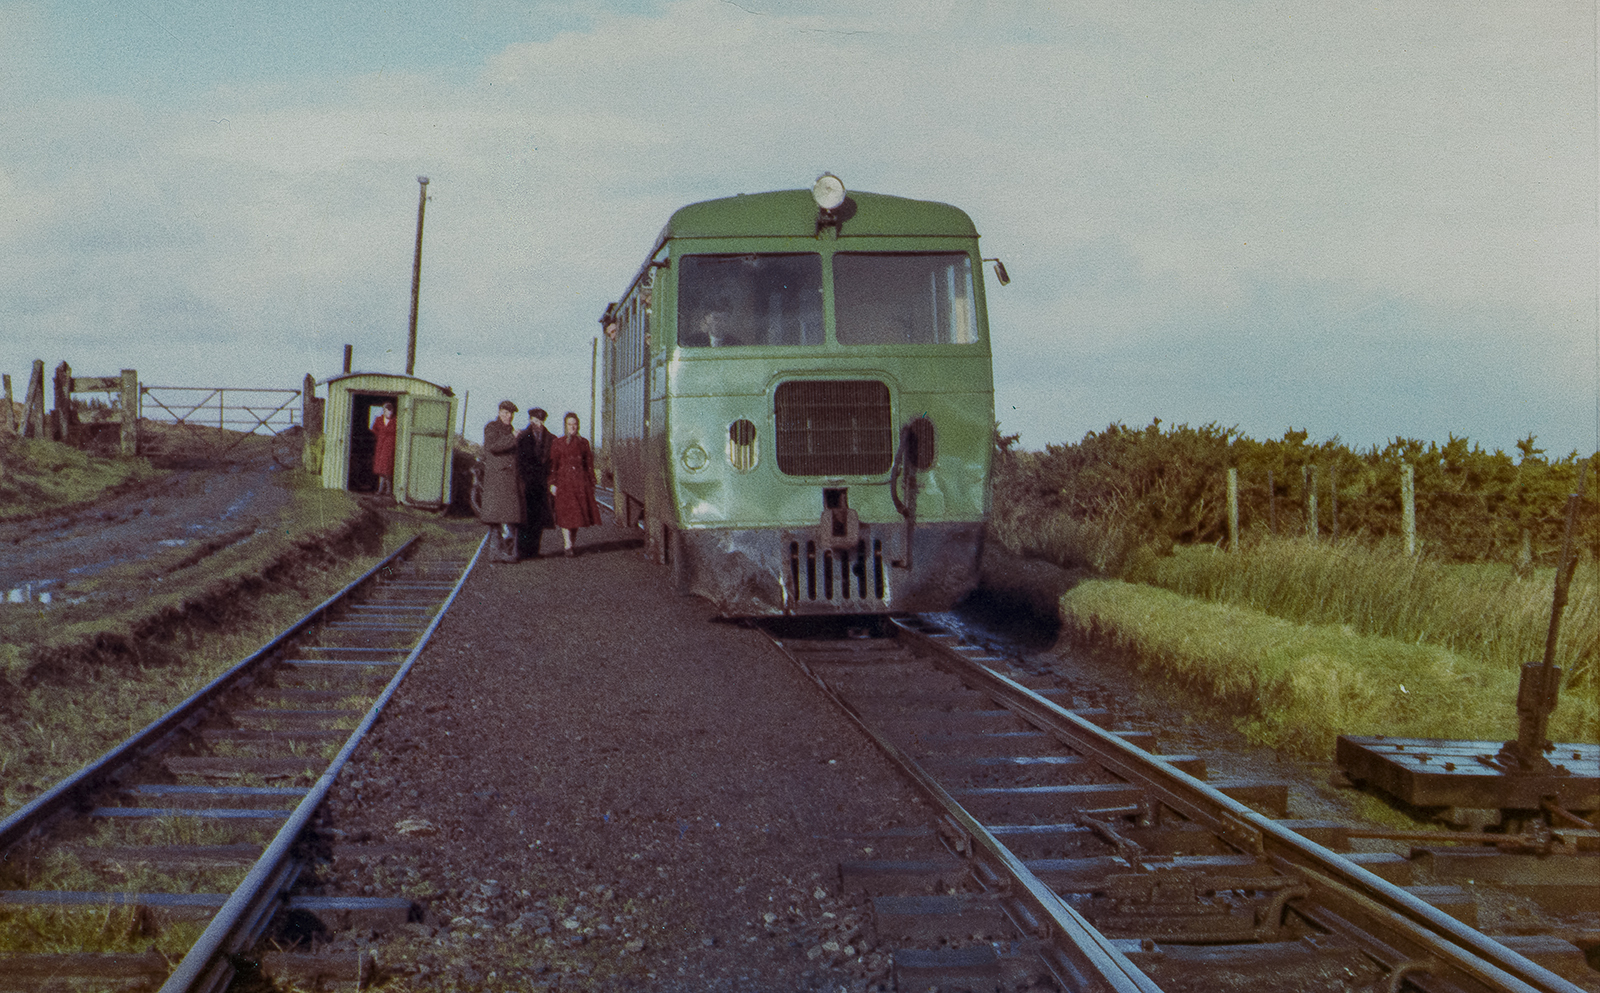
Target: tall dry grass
point(1296, 686)
point(1484, 612)
point(1051, 534)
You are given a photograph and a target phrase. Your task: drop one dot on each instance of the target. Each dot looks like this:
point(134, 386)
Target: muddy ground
point(51, 558)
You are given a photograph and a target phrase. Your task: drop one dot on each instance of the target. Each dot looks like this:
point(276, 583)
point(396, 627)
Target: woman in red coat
point(572, 483)
point(383, 450)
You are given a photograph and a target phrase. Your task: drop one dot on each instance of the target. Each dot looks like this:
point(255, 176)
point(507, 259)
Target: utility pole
point(416, 275)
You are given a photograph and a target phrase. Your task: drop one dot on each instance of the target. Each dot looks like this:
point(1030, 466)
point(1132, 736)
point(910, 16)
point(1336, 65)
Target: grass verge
point(1295, 686)
point(40, 477)
point(1487, 612)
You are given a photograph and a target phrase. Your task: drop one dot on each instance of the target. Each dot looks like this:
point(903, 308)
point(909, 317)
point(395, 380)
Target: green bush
point(1122, 492)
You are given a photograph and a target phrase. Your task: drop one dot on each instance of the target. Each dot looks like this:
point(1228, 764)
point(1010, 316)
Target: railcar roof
point(793, 214)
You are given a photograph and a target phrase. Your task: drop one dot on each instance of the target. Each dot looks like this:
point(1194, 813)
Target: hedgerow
point(1125, 492)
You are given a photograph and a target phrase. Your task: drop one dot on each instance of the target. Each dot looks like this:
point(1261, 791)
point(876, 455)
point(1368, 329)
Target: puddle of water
point(30, 593)
point(173, 542)
point(238, 505)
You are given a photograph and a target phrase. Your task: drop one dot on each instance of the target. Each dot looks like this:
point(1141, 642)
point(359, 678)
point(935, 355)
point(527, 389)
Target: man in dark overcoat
point(503, 506)
point(533, 464)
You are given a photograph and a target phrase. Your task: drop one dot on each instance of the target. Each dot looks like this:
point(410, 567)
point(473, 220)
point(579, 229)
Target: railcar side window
point(904, 298)
point(728, 300)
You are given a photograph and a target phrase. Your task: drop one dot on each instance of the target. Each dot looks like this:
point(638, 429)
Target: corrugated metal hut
point(424, 414)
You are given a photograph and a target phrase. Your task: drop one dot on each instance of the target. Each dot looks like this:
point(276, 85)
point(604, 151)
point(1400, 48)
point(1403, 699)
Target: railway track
point(1070, 850)
point(160, 862)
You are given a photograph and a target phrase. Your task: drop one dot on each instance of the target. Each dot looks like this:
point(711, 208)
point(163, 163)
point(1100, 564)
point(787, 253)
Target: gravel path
point(593, 783)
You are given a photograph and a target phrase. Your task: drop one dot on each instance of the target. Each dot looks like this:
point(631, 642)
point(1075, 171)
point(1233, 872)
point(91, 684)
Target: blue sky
point(1353, 219)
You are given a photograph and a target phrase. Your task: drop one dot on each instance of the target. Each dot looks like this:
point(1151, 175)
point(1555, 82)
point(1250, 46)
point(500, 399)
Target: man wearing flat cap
point(502, 485)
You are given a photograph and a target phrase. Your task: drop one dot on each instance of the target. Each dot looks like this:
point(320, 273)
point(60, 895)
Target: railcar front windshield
point(904, 298)
point(726, 300)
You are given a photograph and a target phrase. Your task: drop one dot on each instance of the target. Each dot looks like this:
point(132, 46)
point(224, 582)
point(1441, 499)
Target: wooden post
point(594, 366)
point(310, 417)
point(347, 358)
point(416, 276)
point(1233, 510)
point(1272, 504)
point(1309, 476)
point(1333, 494)
point(65, 417)
point(1408, 506)
point(10, 420)
point(33, 405)
point(129, 399)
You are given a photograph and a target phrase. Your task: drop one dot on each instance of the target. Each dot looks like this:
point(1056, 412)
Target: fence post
point(33, 406)
point(1408, 506)
point(310, 417)
point(129, 400)
point(1233, 510)
point(1309, 477)
point(65, 417)
point(10, 420)
point(1333, 494)
point(1272, 504)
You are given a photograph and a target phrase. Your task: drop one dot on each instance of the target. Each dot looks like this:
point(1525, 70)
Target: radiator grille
point(833, 427)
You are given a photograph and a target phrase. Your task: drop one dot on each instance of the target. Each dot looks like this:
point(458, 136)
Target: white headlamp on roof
point(828, 191)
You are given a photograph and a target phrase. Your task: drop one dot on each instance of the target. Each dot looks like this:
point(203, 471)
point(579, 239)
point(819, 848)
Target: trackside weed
point(1296, 686)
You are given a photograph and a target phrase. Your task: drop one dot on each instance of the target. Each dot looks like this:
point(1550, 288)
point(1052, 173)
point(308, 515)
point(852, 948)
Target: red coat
point(572, 474)
point(383, 453)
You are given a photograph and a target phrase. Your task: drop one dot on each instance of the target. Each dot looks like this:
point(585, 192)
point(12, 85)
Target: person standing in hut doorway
point(502, 487)
point(572, 483)
point(383, 430)
point(533, 463)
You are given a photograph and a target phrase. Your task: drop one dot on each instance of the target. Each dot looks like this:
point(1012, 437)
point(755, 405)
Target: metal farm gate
point(220, 418)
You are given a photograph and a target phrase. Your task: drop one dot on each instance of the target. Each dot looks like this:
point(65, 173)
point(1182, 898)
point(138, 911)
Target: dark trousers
point(529, 539)
point(531, 533)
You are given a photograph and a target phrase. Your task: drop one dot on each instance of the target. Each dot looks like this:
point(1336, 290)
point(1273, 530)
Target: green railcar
point(799, 402)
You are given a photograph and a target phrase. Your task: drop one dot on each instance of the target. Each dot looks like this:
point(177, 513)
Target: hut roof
point(445, 390)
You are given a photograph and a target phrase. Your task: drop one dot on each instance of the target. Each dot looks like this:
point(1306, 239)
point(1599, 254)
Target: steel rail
point(25, 820)
point(250, 904)
point(1455, 949)
point(1082, 957)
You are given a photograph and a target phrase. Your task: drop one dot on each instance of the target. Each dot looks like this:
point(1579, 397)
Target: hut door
point(422, 471)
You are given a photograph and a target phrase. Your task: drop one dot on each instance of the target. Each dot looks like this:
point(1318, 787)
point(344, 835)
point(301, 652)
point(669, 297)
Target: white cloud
point(1164, 183)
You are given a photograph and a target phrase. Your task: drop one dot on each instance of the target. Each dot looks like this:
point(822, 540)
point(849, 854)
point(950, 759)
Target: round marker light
point(828, 191)
point(694, 458)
